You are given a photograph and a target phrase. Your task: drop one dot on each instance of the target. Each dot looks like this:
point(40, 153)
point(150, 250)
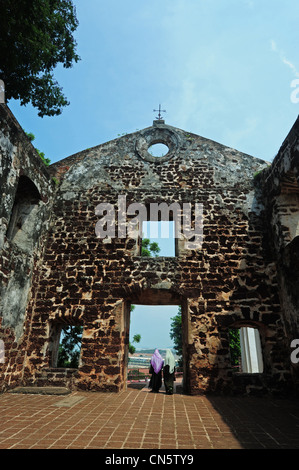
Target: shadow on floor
point(260, 422)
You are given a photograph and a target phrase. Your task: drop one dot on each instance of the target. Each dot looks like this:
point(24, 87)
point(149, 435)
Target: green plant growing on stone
point(189, 137)
point(31, 137)
point(257, 175)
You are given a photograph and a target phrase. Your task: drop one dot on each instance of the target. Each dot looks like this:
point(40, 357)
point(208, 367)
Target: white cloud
point(283, 58)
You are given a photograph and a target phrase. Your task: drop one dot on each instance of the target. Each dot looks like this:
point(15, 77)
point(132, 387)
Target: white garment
point(169, 361)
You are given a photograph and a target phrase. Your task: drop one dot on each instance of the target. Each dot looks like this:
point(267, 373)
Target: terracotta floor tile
point(138, 419)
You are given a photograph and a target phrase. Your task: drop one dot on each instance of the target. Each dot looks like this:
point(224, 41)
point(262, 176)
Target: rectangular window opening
point(65, 345)
point(158, 238)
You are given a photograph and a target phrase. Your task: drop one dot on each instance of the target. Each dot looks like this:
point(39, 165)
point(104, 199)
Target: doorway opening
point(154, 327)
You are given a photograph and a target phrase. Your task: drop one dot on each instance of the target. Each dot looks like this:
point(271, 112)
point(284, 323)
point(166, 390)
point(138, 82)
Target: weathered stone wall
point(63, 273)
point(280, 184)
point(25, 205)
point(230, 281)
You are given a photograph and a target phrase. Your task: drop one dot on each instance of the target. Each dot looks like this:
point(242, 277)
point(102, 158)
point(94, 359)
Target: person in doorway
point(169, 372)
point(156, 371)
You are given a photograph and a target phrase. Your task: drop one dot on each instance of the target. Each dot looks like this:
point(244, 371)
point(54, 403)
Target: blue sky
point(222, 69)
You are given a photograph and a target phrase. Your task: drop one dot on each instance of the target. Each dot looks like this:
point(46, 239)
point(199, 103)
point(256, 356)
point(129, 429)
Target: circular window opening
point(158, 150)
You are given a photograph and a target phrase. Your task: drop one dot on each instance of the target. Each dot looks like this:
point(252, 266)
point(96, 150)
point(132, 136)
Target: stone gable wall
point(230, 281)
point(77, 278)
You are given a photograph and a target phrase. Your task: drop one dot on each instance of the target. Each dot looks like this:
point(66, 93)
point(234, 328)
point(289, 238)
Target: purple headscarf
point(157, 361)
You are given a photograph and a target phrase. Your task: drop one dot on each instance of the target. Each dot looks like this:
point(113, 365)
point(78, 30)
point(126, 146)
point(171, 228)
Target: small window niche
point(158, 238)
point(24, 225)
point(246, 350)
point(65, 345)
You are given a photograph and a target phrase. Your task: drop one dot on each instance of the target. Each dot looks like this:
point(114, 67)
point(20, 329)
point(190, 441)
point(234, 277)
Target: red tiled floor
point(137, 419)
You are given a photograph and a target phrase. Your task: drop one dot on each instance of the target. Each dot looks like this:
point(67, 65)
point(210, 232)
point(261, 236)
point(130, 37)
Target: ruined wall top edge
point(133, 151)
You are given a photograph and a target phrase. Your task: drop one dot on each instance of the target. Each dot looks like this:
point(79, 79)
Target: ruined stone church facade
point(56, 269)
